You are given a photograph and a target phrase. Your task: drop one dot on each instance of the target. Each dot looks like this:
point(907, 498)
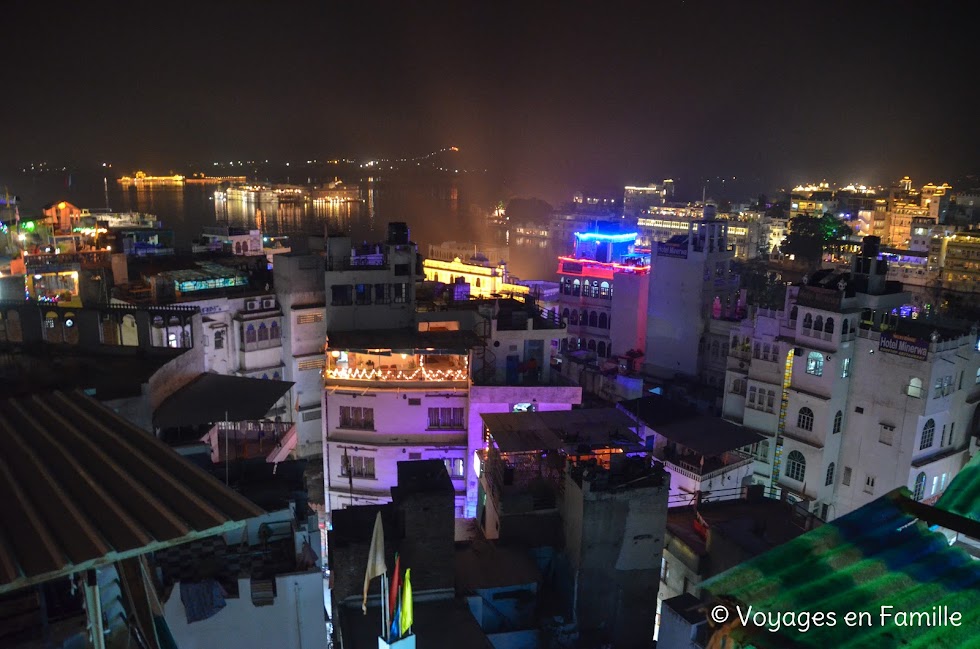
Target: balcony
point(359, 368)
point(365, 261)
point(689, 464)
point(240, 440)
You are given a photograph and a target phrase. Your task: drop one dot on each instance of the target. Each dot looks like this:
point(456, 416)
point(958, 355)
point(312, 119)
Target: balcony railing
point(382, 374)
point(366, 261)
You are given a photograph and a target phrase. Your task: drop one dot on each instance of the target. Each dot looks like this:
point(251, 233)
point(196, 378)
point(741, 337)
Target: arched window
point(814, 364)
point(928, 433)
point(796, 466)
point(478, 282)
point(818, 323)
point(53, 330)
point(128, 333)
point(807, 321)
point(276, 376)
point(603, 321)
point(830, 475)
point(591, 345)
point(219, 340)
point(274, 332)
point(919, 491)
point(157, 321)
point(594, 319)
point(838, 420)
point(914, 388)
point(845, 327)
point(564, 315)
point(804, 419)
point(250, 334)
point(265, 377)
point(263, 332)
point(600, 349)
point(604, 290)
point(828, 326)
point(576, 287)
point(574, 319)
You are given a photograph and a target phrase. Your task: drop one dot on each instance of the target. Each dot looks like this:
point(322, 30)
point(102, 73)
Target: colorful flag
point(406, 606)
point(393, 631)
point(376, 559)
point(393, 596)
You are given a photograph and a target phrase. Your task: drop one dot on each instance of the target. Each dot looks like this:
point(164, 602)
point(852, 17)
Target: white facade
point(853, 400)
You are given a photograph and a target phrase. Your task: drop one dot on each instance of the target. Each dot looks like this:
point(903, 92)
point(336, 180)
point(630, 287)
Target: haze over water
point(436, 210)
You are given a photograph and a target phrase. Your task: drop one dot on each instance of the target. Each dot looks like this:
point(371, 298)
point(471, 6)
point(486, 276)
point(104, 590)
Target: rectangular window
point(415, 402)
point(446, 418)
point(311, 415)
point(845, 368)
point(355, 417)
point(399, 293)
point(414, 456)
point(952, 429)
point(454, 466)
point(403, 269)
point(814, 364)
point(362, 294)
point(935, 482)
point(869, 484)
point(846, 478)
point(942, 483)
point(381, 294)
point(341, 295)
point(664, 570)
point(357, 466)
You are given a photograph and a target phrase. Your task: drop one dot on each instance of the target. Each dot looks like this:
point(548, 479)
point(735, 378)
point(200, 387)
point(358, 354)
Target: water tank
point(870, 247)
point(397, 233)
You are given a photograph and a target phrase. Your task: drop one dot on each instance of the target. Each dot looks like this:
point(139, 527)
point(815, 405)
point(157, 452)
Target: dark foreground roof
point(217, 397)
point(879, 555)
point(81, 487)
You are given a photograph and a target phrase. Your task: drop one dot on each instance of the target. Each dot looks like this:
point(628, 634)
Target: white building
point(854, 401)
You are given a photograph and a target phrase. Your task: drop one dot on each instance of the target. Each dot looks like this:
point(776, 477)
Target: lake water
point(436, 210)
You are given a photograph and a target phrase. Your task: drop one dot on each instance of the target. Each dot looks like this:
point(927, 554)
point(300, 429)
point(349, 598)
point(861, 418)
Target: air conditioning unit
point(252, 305)
point(269, 303)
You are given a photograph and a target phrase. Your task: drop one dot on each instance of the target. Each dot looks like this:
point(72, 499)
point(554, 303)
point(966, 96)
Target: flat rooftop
point(562, 430)
point(754, 525)
point(481, 565)
point(683, 425)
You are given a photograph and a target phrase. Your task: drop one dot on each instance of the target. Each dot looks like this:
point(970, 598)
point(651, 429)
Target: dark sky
point(551, 96)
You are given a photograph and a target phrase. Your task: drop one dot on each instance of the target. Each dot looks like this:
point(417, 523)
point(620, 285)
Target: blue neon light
point(612, 238)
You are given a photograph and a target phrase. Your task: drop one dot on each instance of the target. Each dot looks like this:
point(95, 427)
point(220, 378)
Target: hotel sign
point(819, 298)
point(676, 250)
point(904, 346)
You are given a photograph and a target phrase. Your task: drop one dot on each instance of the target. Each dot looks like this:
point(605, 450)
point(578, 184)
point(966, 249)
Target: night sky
point(549, 97)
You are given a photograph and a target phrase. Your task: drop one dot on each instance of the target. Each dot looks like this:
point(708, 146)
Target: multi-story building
point(484, 278)
point(638, 199)
point(750, 233)
point(693, 283)
point(854, 400)
point(812, 200)
point(604, 280)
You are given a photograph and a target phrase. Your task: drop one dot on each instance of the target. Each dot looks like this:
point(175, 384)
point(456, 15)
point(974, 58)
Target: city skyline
point(546, 101)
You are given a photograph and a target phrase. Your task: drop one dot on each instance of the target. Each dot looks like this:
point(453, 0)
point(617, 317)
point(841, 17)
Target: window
point(664, 570)
point(818, 323)
point(928, 433)
point(814, 364)
point(838, 420)
point(830, 475)
point(362, 294)
point(807, 321)
point(601, 349)
point(914, 388)
point(341, 295)
point(355, 417)
point(274, 332)
point(764, 451)
point(311, 364)
point(381, 294)
point(828, 326)
point(978, 377)
point(757, 350)
point(942, 438)
point(869, 484)
point(935, 480)
point(446, 418)
point(250, 334)
point(952, 427)
point(846, 478)
point(942, 482)
point(766, 350)
point(309, 318)
point(594, 319)
point(574, 317)
point(403, 269)
point(219, 340)
point(804, 419)
point(943, 386)
point(357, 466)
point(738, 387)
point(263, 332)
point(796, 466)
point(844, 328)
point(919, 491)
point(770, 400)
point(399, 293)
point(752, 391)
point(603, 321)
point(845, 366)
point(454, 466)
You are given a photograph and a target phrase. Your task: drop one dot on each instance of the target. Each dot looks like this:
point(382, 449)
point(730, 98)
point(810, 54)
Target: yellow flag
point(376, 559)
point(407, 609)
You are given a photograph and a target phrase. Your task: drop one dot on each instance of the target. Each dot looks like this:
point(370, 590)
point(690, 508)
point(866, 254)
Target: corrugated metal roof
point(879, 555)
point(81, 487)
point(962, 496)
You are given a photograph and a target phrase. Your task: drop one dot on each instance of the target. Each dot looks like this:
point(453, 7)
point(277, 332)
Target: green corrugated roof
point(962, 496)
point(878, 555)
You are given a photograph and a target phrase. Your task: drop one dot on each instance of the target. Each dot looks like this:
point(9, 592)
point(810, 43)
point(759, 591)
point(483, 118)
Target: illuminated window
point(845, 368)
point(914, 388)
point(455, 467)
point(354, 417)
point(796, 466)
point(362, 294)
point(357, 466)
point(919, 490)
point(804, 419)
point(524, 407)
point(814, 364)
point(928, 435)
point(446, 418)
point(400, 293)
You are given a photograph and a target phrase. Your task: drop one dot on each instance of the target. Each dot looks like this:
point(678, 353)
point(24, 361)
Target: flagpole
point(384, 606)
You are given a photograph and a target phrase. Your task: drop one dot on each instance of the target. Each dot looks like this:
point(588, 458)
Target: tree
point(809, 236)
